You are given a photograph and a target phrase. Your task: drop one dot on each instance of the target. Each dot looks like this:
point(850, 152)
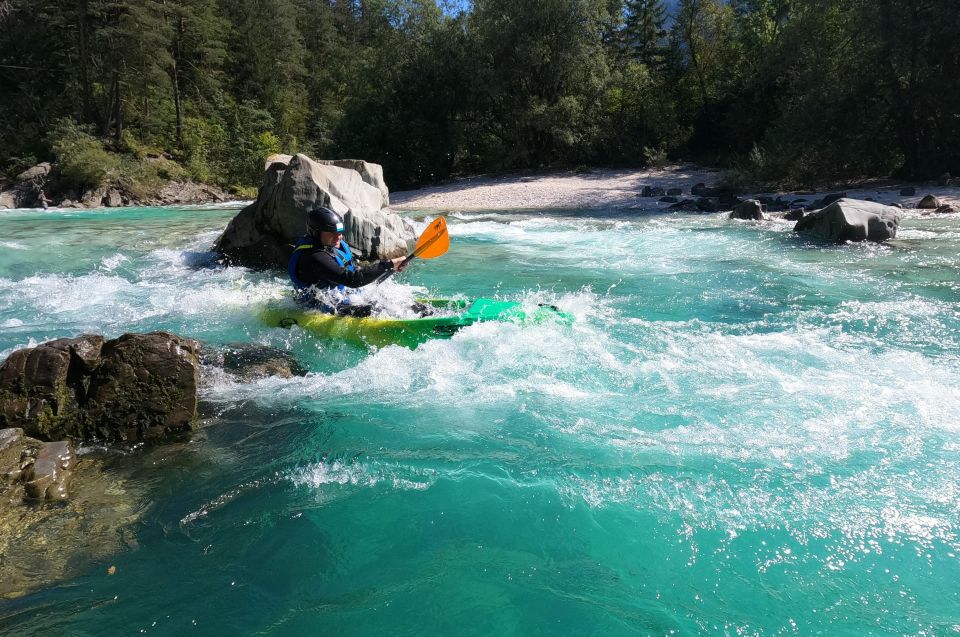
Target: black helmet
point(323, 220)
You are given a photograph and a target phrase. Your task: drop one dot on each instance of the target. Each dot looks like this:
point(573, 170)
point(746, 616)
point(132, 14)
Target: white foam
point(359, 474)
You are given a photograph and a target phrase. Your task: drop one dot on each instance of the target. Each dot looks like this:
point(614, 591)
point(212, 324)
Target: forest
point(783, 93)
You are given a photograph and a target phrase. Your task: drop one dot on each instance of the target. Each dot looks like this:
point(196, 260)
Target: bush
point(84, 163)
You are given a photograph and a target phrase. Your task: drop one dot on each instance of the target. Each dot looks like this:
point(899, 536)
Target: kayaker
point(323, 270)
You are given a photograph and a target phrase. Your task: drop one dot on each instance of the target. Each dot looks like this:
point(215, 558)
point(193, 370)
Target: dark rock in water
point(250, 361)
point(652, 191)
point(909, 191)
point(668, 199)
point(897, 205)
point(795, 215)
point(699, 190)
point(944, 180)
point(707, 204)
point(686, 204)
point(261, 234)
point(929, 203)
point(41, 388)
point(851, 220)
point(144, 388)
point(674, 192)
point(132, 388)
point(751, 209)
point(945, 209)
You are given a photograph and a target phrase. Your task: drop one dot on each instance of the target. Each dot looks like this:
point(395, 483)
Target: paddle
point(434, 242)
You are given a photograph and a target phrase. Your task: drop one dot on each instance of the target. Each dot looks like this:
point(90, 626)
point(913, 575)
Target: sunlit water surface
point(741, 433)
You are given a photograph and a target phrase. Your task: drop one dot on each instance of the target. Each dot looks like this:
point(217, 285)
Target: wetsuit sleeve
point(320, 268)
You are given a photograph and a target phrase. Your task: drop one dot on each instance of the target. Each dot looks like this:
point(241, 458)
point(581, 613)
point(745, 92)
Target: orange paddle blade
point(434, 241)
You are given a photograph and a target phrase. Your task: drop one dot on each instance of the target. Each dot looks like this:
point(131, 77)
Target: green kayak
point(452, 315)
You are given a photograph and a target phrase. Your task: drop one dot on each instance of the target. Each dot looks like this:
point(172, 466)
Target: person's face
point(330, 239)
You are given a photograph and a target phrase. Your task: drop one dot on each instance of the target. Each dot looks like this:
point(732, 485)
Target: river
point(741, 433)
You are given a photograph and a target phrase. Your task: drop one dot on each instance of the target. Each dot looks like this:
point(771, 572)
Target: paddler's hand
point(400, 264)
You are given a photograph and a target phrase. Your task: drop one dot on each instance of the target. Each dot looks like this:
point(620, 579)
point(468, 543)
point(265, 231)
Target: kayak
point(452, 316)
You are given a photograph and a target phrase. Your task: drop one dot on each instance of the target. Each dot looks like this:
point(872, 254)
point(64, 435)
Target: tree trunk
point(117, 110)
point(85, 93)
point(177, 100)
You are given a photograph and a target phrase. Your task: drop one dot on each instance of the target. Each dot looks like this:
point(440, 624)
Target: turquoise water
point(742, 433)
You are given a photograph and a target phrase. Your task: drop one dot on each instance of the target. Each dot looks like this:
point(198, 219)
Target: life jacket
point(342, 255)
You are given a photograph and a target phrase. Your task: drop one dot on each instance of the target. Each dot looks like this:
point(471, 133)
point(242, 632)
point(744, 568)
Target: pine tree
point(643, 31)
point(197, 51)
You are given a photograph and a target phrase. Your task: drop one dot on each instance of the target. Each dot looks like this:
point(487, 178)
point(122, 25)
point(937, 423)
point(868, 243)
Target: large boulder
point(851, 220)
point(144, 387)
point(262, 233)
point(929, 203)
point(136, 387)
point(43, 387)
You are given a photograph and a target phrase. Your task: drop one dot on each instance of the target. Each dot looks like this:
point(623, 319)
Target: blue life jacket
point(342, 255)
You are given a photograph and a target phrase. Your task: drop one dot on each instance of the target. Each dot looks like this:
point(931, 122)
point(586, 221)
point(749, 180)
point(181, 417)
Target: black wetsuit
point(318, 268)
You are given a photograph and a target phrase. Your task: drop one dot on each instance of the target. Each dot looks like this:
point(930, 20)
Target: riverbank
point(624, 189)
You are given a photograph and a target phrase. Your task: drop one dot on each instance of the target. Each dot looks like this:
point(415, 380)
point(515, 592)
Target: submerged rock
point(262, 234)
point(250, 361)
point(851, 220)
point(46, 539)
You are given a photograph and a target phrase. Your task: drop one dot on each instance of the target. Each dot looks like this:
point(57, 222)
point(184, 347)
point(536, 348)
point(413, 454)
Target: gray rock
point(652, 191)
point(94, 198)
point(750, 209)
point(27, 189)
point(188, 192)
point(113, 198)
point(795, 215)
point(929, 203)
point(699, 190)
point(851, 220)
point(674, 192)
point(371, 174)
point(38, 173)
point(909, 191)
point(261, 234)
